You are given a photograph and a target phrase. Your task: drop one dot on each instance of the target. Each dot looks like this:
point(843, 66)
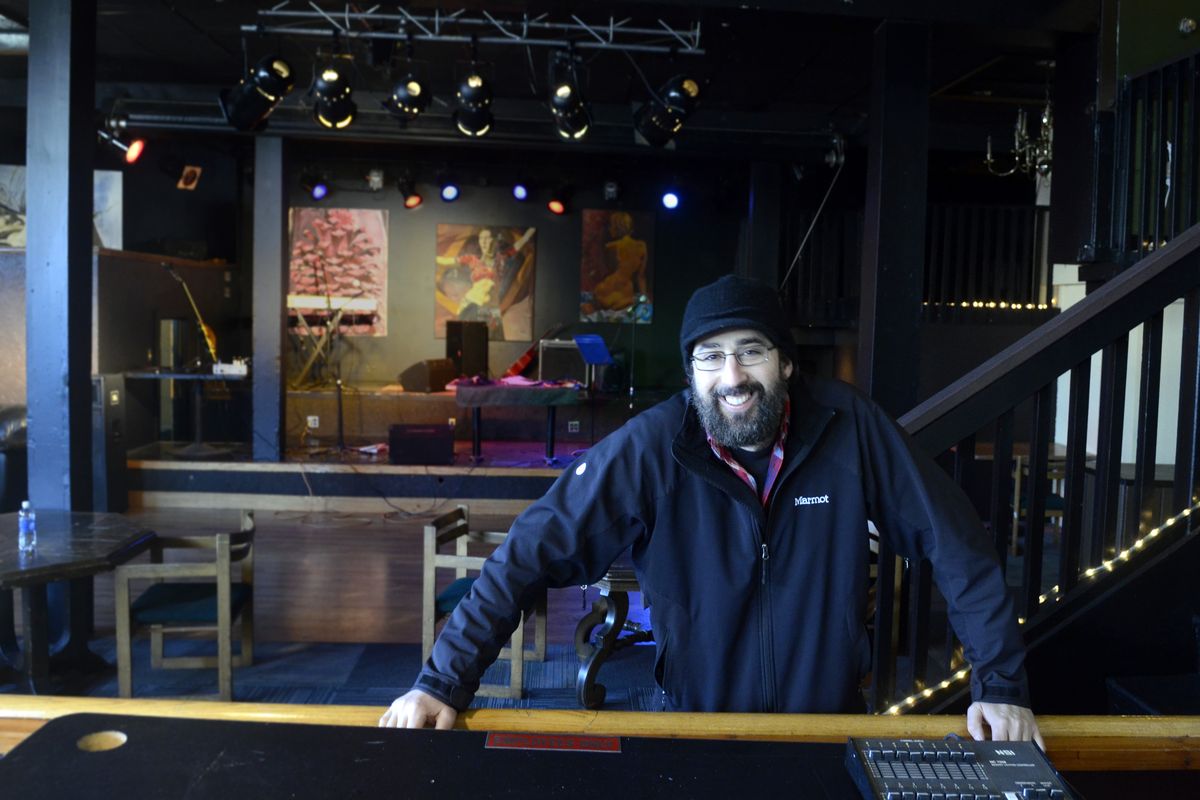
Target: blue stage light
point(670, 200)
point(449, 192)
point(319, 190)
point(520, 192)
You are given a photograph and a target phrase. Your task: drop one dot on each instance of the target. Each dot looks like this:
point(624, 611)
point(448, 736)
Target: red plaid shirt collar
point(722, 452)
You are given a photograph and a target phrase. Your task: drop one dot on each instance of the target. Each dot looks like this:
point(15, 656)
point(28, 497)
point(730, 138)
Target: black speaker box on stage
point(467, 346)
point(110, 483)
point(430, 375)
point(420, 444)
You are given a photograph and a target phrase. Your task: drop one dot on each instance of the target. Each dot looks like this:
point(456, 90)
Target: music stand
point(595, 354)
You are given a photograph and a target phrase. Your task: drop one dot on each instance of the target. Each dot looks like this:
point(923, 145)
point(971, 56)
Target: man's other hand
point(1007, 723)
point(418, 710)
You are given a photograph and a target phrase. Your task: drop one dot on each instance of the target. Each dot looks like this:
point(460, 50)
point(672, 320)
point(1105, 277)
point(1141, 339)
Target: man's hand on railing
point(1005, 723)
point(416, 709)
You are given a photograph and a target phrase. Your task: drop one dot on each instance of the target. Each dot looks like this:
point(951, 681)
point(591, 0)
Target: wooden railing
point(974, 424)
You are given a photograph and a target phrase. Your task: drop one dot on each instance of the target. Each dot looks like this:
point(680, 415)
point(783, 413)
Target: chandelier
point(1029, 156)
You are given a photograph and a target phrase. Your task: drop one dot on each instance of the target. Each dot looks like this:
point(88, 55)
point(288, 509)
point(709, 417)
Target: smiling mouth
point(737, 399)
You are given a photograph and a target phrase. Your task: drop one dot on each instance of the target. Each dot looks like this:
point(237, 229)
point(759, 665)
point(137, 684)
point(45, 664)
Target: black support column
point(270, 290)
point(60, 144)
point(893, 263)
point(763, 224)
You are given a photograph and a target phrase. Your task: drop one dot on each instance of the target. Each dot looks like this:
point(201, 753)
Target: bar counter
point(1074, 744)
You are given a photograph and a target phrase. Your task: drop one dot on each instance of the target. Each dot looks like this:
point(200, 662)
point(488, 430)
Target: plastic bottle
point(26, 528)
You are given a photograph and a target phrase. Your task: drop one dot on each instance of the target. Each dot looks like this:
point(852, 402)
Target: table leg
point(35, 620)
point(550, 415)
point(9, 648)
point(616, 611)
point(476, 434)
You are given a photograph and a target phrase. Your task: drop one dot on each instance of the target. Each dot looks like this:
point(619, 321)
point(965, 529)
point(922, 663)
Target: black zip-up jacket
point(752, 609)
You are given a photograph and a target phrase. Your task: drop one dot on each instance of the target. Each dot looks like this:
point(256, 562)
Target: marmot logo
point(813, 501)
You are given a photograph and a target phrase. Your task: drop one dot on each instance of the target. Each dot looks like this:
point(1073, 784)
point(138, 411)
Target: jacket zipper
point(766, 633)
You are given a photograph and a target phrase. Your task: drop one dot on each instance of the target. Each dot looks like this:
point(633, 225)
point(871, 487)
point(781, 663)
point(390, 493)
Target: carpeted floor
point(368, 674)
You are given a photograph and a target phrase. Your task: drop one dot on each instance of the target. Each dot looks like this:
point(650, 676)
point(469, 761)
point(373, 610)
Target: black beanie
point(735, 302)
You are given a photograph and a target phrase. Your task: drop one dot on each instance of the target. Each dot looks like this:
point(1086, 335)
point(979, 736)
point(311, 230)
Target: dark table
point(474, 397)
point(71, 546)
point(198, 448)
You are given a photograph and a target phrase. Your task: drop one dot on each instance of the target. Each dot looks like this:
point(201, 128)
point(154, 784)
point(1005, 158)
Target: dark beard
point(749, 430)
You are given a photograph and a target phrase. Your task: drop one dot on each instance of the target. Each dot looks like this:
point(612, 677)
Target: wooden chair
point(455, 526)
point(190, 597)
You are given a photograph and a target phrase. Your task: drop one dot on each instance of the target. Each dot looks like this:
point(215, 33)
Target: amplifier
point(430, 375)
point(420, 444)
point(952, 769)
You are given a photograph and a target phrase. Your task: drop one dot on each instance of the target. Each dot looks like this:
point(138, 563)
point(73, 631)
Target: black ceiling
point(768, 66)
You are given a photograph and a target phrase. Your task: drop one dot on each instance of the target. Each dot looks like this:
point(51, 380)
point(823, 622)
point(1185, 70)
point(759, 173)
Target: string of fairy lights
point(1053, 595)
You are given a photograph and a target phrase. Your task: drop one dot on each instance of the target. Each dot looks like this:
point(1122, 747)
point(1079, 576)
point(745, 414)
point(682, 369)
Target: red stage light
point(134, 151)
point(557, 207)
point(413, 200)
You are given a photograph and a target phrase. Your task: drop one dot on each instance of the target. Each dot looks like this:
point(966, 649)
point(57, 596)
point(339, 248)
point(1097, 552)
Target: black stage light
point(660, 119)
point(473, 117)
point(571, 116)
point(247, 106)
point(408, 191)
point(333, 101)
point(408, 99)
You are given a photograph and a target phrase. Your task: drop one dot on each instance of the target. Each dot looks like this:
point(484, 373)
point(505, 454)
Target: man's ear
point(786, 368)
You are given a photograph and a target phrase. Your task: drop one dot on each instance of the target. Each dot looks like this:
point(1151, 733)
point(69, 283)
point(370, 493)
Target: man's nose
point(732, 369)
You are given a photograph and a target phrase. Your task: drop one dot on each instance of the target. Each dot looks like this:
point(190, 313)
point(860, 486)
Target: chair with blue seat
point(455, 527)
point(190, 597)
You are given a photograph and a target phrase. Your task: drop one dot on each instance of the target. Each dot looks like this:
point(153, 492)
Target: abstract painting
point(338, 269)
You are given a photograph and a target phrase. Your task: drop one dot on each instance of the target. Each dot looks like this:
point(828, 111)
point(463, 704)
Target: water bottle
point(26, 528)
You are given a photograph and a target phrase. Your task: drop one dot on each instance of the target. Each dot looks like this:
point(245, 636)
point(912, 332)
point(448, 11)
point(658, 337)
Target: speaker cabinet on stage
point(467, 347)
point(430, 375)
point(110, 484)
point(421, 444)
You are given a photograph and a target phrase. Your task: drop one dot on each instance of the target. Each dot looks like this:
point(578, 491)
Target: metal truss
point(465, 27)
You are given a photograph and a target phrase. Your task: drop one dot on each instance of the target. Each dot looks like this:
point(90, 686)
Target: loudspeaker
point(420, 444)
point(430, 375)
point(467, 346)
point(110, 485)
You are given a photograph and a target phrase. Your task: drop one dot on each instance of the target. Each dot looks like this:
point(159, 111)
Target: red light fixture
point(557, 207)
point(408, 190)
point(134, 152)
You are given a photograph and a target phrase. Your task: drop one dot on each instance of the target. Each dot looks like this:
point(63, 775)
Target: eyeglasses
point(750, 357)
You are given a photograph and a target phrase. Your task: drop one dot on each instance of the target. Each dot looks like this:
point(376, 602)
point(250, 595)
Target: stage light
point(560, 200)
point(408, 99)
point(247, 106)
point(520, 192)
point(408, 190)
point(660, 119)
point(333, 103)
point(449, 192)
point(473, 117)
point(571, 116)
point(557, 206)
point(316, 187)
point(670, 200)
point(131, 152)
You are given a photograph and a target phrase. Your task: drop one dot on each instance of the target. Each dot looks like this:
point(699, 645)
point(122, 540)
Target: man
point(746, 501)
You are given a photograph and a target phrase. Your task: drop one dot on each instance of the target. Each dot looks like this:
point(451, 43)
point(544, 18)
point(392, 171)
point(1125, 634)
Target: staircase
point(1111, 591)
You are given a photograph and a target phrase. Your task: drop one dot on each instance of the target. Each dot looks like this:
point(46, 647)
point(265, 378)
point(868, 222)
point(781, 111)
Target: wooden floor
point(334, 577)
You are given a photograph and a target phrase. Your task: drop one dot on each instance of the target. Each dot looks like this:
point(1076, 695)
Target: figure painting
point(615, 271)
point(484, 273)
point(338, 270)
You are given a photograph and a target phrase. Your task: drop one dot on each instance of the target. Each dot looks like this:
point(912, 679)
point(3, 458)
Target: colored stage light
point(131, 152)
point(670, 200)
point(317, 188)
point(408, 190)
point(134, 152)
point(520, 192)
point(449, 192)
point(557, 206)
